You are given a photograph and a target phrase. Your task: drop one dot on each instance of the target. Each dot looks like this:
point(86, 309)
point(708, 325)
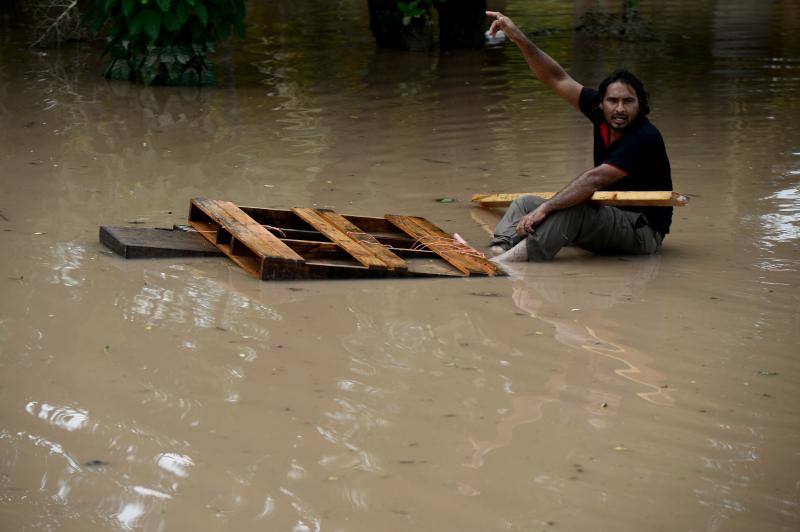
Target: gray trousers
point(599, 229)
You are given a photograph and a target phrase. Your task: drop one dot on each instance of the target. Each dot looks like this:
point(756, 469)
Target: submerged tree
point(52, 21)
point(627, 25)
point(409, 24)
point(165, 42)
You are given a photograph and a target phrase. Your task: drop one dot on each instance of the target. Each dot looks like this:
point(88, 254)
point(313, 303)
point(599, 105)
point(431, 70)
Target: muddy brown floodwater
point(590, 393)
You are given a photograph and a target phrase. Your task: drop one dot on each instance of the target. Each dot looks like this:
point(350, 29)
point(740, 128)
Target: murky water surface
point(586, 394)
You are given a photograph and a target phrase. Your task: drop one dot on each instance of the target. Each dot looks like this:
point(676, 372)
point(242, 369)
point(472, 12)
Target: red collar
point(605, 133)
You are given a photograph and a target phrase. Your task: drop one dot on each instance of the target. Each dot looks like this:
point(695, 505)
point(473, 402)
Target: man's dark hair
point(629, 79)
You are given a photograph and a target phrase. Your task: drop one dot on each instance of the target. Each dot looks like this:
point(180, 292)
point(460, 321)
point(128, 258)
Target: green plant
point(412, 9)
point(165, 42)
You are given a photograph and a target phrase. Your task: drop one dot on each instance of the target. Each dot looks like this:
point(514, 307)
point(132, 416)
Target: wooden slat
point(244, 240)
point(363, 254)
point(441, 243)
point(367, 240)
point(657, 198)
point(247, 231)
point(480, 263)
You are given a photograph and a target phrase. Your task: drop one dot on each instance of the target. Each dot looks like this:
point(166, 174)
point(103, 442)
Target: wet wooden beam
point(245, 241)
point(367, 240)
point(663, 198)
point(460, 256)
point(359, 251)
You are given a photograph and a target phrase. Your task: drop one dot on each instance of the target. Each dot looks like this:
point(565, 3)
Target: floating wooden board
point(305, 243)
point(149, 242)
point(663, 198)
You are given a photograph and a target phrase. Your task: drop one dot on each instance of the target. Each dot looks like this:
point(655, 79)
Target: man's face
point(620, 105)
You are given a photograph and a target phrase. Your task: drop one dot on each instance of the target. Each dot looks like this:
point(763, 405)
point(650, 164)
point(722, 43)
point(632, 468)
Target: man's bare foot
point(518, 253)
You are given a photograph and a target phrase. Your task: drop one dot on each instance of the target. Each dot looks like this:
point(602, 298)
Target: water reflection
point(177, 464)
point(548, 299)
point(524, 410)
point(783, 225)
point(179, 297)
point(129, 514)
point(67, 264)
point(64, 417)
point(577, 308)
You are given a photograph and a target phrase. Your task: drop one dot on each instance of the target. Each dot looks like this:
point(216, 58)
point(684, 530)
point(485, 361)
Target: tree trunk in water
point(462, 23)
point(386, 23)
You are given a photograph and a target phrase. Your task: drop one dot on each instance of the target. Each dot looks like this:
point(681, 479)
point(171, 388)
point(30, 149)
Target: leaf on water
point(445, 200)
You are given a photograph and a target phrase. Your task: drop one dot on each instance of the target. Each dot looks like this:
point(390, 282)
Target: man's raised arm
point(543, 66)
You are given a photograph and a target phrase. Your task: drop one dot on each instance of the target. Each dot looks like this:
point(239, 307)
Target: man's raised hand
point(504, 24)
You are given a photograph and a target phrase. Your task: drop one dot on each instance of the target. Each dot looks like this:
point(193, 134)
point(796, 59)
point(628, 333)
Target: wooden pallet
point(658, 198)
point(304, 243)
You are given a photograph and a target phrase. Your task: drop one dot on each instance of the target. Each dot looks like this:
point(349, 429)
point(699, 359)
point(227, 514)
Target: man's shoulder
point(647, 132)
point(587, 103)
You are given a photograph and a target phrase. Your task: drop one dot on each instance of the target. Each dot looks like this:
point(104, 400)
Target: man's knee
point(527, 204)
point(573, 217)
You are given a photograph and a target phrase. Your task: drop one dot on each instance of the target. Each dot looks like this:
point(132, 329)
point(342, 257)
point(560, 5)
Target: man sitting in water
point(629, 154)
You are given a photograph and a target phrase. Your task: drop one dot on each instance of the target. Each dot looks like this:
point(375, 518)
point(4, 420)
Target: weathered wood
point(443, 245)
point(149, 242)
point(472, 256)
point(363, 254)
point(245, 241)
point(252, 234)
point(663, 198)
point(367, 240)
point(269, 252)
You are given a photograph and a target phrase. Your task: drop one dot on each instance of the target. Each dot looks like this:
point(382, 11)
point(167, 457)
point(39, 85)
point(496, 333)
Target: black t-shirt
point(640, 153)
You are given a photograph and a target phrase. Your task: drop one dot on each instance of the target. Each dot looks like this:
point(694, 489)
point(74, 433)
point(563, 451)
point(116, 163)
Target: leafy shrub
point(412, 9)
point(165, 42)
point(628, 25)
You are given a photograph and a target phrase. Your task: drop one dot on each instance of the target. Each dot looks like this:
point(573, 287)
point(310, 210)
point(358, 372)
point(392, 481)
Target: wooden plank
point(443, 244)
point(151, 242)
point(285, 218)
point(367, 240)
point(356, 249)
point(657, 198)
point(243, 240)
point(244, 229)
point(472, 255)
